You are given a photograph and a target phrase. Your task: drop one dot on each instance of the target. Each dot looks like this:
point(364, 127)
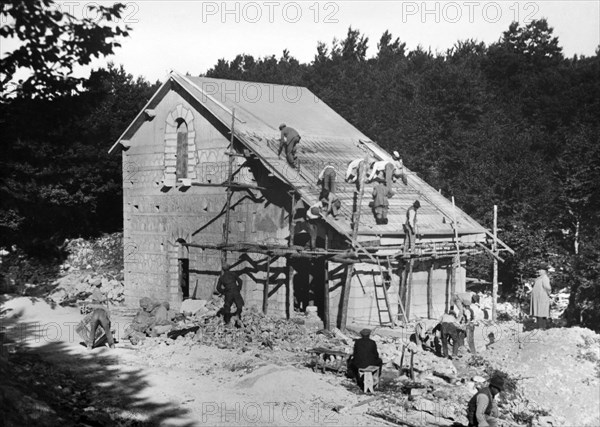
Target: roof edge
point(137, 118)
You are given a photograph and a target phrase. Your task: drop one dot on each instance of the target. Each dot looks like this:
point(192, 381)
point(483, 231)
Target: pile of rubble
point(78, 286)
point(558, 370)
point(90, 265)
point(102, 253)
point(255, 330)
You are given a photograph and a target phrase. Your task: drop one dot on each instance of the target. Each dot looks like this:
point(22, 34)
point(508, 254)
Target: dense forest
point(514, 124)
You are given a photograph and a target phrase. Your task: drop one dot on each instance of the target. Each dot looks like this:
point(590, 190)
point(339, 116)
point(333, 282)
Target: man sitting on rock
point(365, 354)
point(482, 410)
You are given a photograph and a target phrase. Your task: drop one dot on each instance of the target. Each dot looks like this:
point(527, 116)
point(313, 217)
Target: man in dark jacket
point(365, 354)
point(289, 138)
point(482, 410)
point(230, 285)
point(410, 227)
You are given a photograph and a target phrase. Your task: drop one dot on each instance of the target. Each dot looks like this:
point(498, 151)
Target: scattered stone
point(192, 306)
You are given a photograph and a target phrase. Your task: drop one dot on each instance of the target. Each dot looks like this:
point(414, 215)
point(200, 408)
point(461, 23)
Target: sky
point(190, 36)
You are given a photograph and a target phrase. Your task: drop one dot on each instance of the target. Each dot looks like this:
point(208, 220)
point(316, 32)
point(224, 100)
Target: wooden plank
point(266, 288)
point(355, 224)
point(291, 271)
point(326, 289)
point(430, 291)
point(409, 278)
point(495, 267)
point(229, 191)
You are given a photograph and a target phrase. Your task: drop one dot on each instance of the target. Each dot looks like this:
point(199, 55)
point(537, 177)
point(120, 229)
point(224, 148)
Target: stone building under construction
point(202, 180)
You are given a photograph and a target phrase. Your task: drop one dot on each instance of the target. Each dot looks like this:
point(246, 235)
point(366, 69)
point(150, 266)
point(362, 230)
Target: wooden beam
point(495, 267)
point(266, 288)
point(430, 290)
point(291, 272)
point(492, 253)
point(496, 239)
point(326, 289)
point(234, 186)
point(409, 278)
point(229, 191)
point(355, 223)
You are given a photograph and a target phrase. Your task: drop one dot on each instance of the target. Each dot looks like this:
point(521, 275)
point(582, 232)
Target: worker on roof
point(410, 227)
point(391, 170)
point(288, 140)
point(230, 285)
point(482, 410)
point(355, 168)
point(331, 203)
point(381, 203)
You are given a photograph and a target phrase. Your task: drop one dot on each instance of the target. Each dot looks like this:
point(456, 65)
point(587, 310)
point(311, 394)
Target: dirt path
point(172, 385)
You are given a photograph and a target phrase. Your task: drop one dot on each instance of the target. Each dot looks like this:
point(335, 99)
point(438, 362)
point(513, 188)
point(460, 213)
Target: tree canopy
point(51, 42)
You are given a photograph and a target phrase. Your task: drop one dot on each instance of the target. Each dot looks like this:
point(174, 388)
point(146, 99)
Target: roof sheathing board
point(326, 139)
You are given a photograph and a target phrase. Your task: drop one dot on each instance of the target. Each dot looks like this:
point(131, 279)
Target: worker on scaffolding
point(288, 140)
point(381, 203)
point(230, 285)
point(410, 227)
point(313, 215)
point(391, 170)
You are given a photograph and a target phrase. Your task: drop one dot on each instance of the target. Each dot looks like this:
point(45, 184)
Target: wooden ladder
point(381, 297)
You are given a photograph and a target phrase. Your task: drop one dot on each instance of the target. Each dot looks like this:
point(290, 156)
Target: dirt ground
point(50, 379)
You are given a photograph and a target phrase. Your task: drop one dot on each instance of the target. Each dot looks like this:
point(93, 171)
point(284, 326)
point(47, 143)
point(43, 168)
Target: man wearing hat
point(540, 298)
point(482, 410)
point(410, 227)
point(289, 138)
point(365, 354)
point(230, 285)
point(313, 215)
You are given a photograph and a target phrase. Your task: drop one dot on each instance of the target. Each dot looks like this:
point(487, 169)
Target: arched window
point(182, 149)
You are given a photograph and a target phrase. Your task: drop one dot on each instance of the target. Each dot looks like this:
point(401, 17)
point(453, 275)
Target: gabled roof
point(327, 138)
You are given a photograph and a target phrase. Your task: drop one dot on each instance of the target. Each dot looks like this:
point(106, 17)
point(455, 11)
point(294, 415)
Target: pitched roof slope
point(327, 138)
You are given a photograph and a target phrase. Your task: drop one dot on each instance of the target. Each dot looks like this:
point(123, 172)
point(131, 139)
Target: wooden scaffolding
point(356, 253)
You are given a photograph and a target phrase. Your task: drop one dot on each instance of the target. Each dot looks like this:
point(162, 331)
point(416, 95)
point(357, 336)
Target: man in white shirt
point(390, 169)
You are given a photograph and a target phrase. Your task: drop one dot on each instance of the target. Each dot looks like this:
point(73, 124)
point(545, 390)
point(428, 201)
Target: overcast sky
point(190, 36)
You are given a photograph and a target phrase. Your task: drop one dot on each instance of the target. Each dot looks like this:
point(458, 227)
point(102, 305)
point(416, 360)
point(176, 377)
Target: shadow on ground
point(52, 383)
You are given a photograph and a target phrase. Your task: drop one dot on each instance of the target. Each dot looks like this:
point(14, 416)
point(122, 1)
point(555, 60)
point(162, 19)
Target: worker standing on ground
point(289, 139)
point(381, 203)
point(451, 329)
point(410, 227)
point(426, 332)
point(100, 316)
point(540, 298)
point(230, 285)
point(482, 410)
point(365, 354)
